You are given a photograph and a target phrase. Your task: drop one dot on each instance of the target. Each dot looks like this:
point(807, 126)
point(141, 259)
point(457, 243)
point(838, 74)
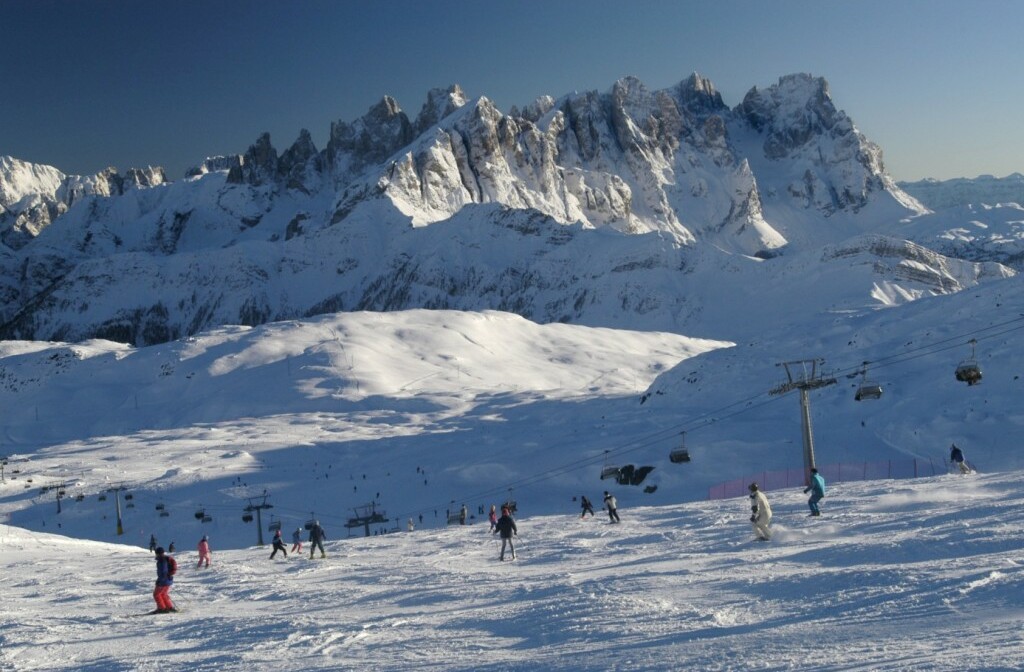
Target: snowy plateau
point(474, 306)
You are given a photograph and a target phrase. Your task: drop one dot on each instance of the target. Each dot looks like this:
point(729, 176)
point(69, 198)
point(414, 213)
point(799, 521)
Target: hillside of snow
point(896, 575)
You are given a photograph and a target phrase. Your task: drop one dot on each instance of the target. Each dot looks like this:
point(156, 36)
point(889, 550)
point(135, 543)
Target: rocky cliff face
point(267, 235)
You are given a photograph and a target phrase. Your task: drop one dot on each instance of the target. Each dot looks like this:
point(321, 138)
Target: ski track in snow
point(682, 587)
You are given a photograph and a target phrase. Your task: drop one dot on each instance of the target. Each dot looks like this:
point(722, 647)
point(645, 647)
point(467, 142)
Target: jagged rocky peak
point(259, 164)
point(699, 96)
point(793, 112)
point(213, 164)
point(535, 110)
point(440, 103)
point(372, 138)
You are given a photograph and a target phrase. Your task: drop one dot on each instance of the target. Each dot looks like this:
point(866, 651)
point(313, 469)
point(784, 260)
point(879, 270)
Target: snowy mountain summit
point(593, 208)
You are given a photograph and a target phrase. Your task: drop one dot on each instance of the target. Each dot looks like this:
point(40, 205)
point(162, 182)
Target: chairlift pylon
point(867, 389)
point(968, 370)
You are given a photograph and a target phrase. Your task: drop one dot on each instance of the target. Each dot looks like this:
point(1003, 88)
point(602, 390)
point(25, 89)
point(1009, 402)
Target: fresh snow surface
point(896, 575)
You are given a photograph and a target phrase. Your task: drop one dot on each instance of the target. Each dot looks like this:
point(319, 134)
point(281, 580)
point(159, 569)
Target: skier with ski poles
point(817, 490)
point(166, 567)
point(761, 513)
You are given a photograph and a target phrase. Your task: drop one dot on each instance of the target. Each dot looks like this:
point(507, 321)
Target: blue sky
point(85, 85)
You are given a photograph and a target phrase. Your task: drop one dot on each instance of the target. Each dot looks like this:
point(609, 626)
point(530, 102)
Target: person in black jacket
point(316, 539)
point(506, 527)
point(278, 544)
point(587, 507)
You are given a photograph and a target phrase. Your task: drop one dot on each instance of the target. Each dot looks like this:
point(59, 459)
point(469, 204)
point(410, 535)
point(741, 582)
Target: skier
point(170, 549)
point(204, 551)
point(493, 517)
point(612, 506)
point(817, 490)
point(297, 540)
point(761, 513)
point(152, 543)
point(956, 456)
point(463, 512)
point(316, 539)
point(278, 545)
point(165, 569)
point(506, 527)
point(411, 525)
point(587, 506)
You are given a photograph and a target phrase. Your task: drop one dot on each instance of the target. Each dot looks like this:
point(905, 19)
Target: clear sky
point(938, 84)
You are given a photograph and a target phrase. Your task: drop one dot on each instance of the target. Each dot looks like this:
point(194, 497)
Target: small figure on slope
point(297, 540)
point(817, 490)
point(316, 539)
point(166, 567)
point(278, 545)
point(612, 506)
point(761, 513)
point(587, 507)
point(956, 457)
point(463, 513)
point(506, 527)
point(152, 543)
point(204, 551)
point(493, 517)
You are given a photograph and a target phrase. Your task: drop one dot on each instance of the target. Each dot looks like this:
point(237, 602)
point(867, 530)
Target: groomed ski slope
point(923, 574)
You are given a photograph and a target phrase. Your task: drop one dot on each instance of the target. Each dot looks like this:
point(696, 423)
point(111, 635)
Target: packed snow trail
point(895, 575)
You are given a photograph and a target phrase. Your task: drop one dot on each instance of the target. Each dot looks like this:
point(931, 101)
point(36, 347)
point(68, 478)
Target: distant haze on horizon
point(129, 84)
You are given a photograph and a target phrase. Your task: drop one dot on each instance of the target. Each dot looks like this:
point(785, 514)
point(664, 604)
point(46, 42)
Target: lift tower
point(804, 375)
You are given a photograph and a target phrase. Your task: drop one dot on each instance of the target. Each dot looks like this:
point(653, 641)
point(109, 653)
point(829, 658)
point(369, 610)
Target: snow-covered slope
point(904, 575)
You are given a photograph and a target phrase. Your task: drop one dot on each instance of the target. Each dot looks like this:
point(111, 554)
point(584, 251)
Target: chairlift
point(62, 492)
point(79, 497)
point(608, 471)
point(128, 497)
point(160, 506)
point(867, 389)
point(274, 526)
point(680, 454)
point(165, 514)
point(130, 505)
point(200, 514)
point(968, 370)
point(102, 497)
point(207, 519)
point(246, 517)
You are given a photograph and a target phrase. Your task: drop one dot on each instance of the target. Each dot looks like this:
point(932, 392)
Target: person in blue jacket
point(817, 490)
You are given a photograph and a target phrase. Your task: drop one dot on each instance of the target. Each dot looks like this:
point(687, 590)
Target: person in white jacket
point(761, 513)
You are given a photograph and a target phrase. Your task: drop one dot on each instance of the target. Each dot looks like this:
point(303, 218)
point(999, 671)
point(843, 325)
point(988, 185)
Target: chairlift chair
point(207, 519)
point(200, 514)
point(867, 389)
point(246, 517)
point(165, 514)
point(274, 526)
point(968, 370)
point(680, 454)
point(79, 497)
point(160, 506)
point(102, 497)
point(608, 471)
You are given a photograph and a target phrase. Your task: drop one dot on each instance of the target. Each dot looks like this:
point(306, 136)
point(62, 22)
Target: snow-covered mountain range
point(628, 207)
point(962, 191)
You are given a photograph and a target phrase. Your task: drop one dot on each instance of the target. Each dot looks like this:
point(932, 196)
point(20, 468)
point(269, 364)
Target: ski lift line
point(954, 341)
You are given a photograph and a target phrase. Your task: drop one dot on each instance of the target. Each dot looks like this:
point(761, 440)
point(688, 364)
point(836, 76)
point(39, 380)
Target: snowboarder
point(506, 527)
point(817, 490)
point(152, 543)
point(493, 517)
point(612, 506)
point(165, 570)
point(297, 540)
point(463, 512)
point(587, 506)
point(761, 513)
point(956, 456)
point(278, 544)
point(204, 551)
point(316, 539)
point(170, 549)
